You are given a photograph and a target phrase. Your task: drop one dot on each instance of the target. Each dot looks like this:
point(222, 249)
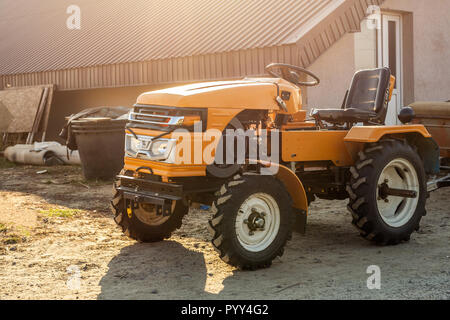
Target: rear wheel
point(387, 192)
point(143, 223)
point(253, 221)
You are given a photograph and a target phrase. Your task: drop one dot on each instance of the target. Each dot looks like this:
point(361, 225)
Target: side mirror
point(406, 115)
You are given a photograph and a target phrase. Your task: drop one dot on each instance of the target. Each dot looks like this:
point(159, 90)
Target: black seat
point(366, 101)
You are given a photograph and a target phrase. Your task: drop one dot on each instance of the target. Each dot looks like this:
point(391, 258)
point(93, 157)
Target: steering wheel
point(292, 74)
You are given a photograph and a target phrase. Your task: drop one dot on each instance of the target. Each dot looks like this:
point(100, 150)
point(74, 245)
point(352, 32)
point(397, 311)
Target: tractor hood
point(258, 93)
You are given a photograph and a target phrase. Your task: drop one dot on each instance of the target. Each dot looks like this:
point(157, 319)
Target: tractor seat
point(344, 115)
point(366, 101)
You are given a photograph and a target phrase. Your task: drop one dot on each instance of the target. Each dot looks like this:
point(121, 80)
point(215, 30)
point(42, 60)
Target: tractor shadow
point(310, 266)
point(167, 270)
point(163, 270)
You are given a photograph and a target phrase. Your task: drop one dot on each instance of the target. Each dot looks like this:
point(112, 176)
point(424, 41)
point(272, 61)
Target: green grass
point(60, 213)
point(5, 164)
point(13, 235)
point(12, 239)
point(23, 231)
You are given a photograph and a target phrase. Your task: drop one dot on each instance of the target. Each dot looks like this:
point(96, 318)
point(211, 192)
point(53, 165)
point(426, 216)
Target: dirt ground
point(55, 226)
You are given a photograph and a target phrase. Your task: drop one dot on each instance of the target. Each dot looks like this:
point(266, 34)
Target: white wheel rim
point(398, 174)
point(146, 213)
point(266, 208)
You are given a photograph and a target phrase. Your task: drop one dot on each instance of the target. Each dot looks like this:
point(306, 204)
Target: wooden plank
point(37, 119)
point(48, 106)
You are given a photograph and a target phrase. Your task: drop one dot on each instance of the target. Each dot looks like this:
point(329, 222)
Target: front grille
point(162, 118)
point(154, 119)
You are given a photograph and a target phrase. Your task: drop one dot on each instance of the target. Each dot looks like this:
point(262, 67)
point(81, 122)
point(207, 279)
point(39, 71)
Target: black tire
point(364, 192)
point(225, 170)
point(223, 224)
point(138, 230)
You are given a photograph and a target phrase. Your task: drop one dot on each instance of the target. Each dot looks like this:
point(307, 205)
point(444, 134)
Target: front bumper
point(160, 194)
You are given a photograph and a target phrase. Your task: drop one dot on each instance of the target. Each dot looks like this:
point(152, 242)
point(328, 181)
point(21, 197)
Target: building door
point(390, 55)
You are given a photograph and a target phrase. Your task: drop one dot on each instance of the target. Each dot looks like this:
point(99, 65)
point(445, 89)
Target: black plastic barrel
point(101, 144)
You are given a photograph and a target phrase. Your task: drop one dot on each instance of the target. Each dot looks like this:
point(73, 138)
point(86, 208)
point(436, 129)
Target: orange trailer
point(435, 116)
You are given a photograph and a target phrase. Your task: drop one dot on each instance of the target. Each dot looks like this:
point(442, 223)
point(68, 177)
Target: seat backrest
point(369, 91)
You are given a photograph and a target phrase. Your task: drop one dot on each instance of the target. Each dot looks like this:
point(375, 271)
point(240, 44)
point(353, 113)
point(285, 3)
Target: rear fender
point(372, 134)
point(416, 135)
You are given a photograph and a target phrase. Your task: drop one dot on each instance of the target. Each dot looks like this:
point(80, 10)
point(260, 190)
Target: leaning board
point(18, 109)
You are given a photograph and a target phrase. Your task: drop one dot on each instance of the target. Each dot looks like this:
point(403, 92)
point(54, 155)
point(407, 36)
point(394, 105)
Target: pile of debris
point(97, 132)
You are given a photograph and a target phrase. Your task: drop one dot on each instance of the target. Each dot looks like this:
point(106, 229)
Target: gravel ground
point(55, 226)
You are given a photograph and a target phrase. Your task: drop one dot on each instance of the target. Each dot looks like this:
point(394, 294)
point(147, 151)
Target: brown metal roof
point(132, 42)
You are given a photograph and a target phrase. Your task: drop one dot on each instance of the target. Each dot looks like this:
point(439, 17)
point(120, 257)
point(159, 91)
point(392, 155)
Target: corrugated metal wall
point(203, 67)
point(117, 31)
point(233, 64)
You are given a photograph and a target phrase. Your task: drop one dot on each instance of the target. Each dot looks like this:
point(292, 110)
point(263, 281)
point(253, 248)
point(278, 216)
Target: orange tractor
point(256, 202)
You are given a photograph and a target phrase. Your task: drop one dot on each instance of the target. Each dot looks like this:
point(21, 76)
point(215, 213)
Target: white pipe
point(40, 153)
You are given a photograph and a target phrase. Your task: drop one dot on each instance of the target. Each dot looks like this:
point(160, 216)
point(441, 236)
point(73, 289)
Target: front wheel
point(253, 221)
point(387, 192)
point(144, 223)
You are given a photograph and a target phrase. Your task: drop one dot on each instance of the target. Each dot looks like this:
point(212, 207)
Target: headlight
point(146, 148)
point(159, 147)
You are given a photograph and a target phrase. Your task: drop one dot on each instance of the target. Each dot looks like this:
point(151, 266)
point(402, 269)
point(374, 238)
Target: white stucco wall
point(335, 69)
point(365, 47)
point(431, 55)
point(431, 24)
